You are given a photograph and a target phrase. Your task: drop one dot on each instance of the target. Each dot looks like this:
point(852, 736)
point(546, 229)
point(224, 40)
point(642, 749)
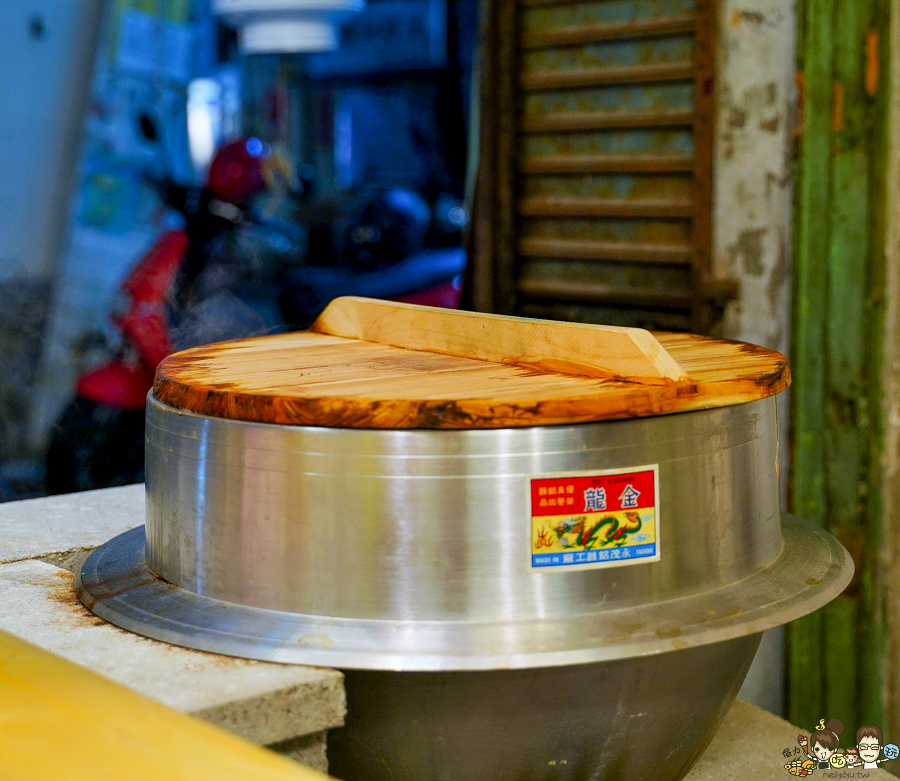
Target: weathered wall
point(754, 143)
point(755, 120)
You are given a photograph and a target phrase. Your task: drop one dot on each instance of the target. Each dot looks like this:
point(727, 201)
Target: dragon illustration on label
point(606, 531)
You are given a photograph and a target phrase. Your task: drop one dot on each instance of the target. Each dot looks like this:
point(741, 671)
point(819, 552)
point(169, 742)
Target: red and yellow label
point(587, 520)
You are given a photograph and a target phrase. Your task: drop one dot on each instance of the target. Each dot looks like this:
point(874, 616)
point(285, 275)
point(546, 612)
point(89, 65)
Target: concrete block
point(308, 750)
point(261, 701)
point(56, 525)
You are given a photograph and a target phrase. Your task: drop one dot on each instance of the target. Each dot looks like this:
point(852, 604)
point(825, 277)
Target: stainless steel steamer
point(404, 550)
point(403, 557)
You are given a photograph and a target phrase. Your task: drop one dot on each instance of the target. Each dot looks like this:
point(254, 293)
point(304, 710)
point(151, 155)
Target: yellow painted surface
point(59, 720)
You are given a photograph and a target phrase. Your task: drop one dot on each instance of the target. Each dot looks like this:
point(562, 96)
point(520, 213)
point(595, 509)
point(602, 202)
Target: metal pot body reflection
point(436, 525)
point(625, 720)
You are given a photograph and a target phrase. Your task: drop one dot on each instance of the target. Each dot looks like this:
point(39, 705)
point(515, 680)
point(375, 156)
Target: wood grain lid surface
point(317, 378)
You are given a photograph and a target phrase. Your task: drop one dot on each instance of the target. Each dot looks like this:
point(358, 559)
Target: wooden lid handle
point(571, 348)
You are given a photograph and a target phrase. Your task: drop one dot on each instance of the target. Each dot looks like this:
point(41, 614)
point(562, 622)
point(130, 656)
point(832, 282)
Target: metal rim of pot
point(116, 584)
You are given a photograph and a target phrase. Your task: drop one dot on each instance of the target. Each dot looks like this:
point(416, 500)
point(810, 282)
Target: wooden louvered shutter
point(594, 193)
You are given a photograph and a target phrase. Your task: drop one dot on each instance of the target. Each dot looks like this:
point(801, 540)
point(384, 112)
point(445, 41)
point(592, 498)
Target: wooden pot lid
point(378, 364)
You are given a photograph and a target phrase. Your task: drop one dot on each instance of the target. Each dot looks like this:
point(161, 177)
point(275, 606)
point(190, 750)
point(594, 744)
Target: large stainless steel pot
point(406, 551)
point(493, 628)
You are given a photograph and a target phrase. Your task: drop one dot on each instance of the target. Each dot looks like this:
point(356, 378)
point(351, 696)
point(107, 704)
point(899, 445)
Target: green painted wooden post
point(835, 656)
point(815, 21)
point(871, 620)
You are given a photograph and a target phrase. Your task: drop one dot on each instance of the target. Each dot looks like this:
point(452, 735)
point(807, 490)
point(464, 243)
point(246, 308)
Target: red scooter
point(99, 440)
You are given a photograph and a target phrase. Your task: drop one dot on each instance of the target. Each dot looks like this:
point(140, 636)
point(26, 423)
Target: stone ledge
point(58, 525)
point(263, 702)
